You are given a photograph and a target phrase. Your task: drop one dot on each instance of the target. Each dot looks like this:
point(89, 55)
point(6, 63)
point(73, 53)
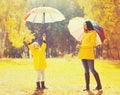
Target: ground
point(63, 76)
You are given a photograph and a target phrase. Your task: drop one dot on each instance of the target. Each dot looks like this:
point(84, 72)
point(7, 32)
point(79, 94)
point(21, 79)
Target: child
point(39, 60)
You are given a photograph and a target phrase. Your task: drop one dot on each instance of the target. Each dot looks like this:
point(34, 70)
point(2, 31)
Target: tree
point(13, 24)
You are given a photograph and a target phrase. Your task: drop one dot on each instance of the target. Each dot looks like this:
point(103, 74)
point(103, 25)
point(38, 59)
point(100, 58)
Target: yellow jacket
point(87, 47)
point(38, 55)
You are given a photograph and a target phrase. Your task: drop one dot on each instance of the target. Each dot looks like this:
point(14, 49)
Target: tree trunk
point(2, 43)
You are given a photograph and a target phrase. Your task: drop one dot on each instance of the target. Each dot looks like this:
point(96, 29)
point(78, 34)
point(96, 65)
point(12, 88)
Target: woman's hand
point(78, 46)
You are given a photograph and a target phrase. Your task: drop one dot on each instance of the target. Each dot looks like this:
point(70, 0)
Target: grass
point(64, 76)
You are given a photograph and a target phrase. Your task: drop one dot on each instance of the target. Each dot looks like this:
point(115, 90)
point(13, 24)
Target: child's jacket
point(38, 55)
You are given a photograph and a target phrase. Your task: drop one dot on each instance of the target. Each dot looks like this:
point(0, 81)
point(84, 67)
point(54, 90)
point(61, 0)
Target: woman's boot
point(97, 78)
point(87, 80)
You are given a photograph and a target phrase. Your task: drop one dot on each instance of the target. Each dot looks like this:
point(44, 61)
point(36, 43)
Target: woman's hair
point(89, 25)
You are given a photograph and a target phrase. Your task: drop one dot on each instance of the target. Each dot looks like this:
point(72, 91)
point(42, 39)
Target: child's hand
point(44, 36)
point(26, 40)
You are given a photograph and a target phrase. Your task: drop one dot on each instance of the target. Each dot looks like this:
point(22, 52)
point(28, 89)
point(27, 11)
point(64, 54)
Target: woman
point(86, 54)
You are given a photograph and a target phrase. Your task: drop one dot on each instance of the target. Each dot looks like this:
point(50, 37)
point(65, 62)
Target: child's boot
point(38, 85)
point(43, 85)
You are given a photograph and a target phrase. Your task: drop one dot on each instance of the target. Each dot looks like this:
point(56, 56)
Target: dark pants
point(89, 64)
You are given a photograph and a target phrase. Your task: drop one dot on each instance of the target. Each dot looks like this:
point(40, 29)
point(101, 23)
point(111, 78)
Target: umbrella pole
point(42, 30)
point(43, 22)
point(44, 25)
point(43, 18)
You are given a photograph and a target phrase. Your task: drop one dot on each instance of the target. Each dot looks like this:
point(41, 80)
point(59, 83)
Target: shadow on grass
point(41, 92)
point(90, 93)
point(38, 92)
point(98, 93)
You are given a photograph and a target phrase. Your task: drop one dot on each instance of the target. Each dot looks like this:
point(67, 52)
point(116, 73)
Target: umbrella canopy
point(76, 29)
point(44, 15)
point(100, 32)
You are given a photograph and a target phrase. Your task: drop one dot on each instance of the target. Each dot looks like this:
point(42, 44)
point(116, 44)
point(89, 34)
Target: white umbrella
point(76, 29)
point(44, 15)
